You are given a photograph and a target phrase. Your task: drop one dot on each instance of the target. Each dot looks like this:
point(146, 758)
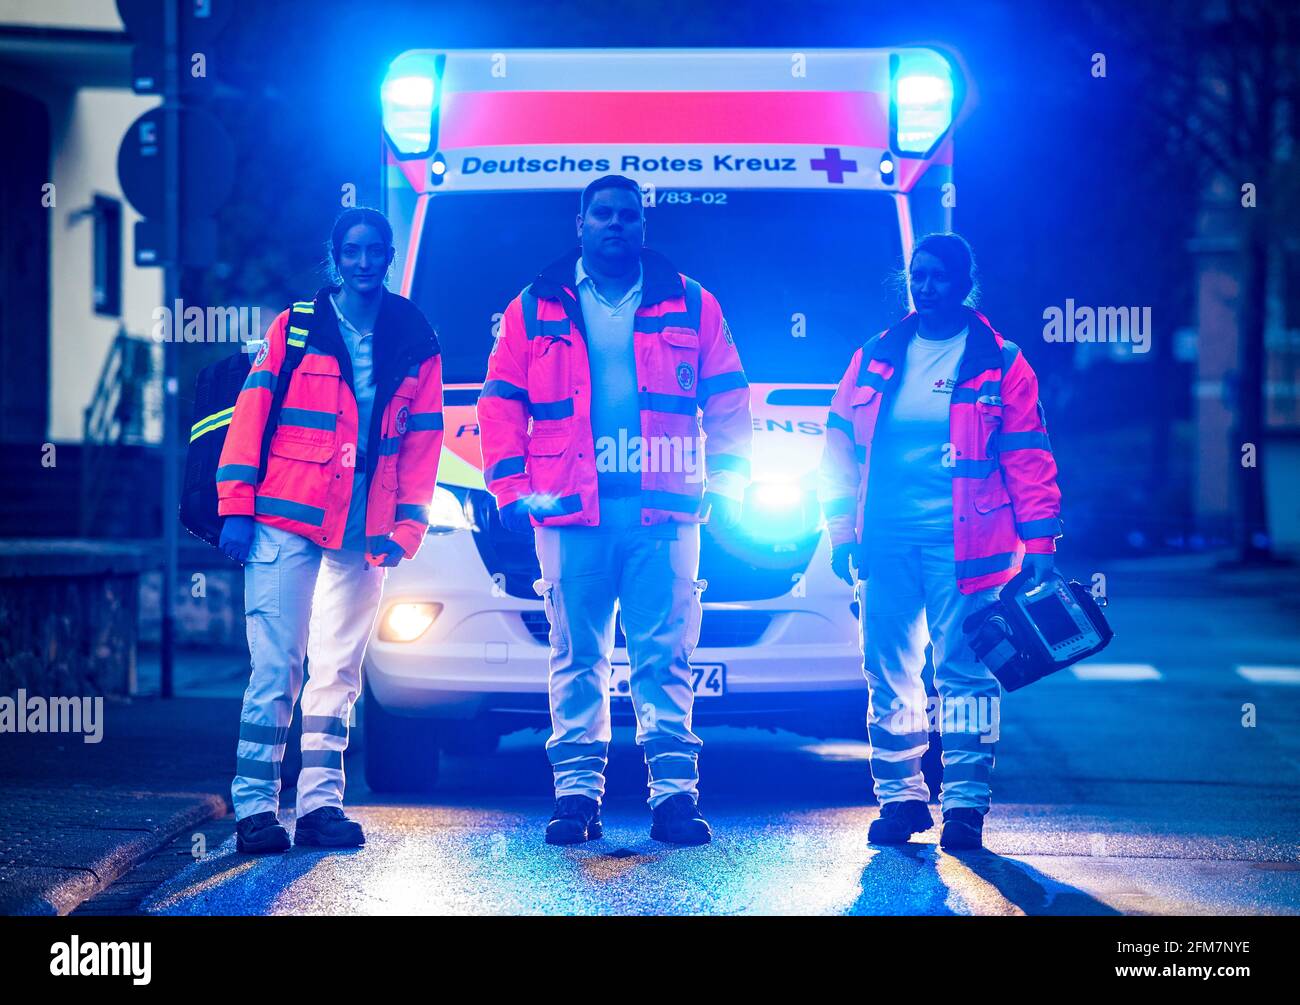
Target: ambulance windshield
point(804, 277)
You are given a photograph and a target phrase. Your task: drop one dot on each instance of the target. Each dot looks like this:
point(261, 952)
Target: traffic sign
point(200, 22)
point(207, 163)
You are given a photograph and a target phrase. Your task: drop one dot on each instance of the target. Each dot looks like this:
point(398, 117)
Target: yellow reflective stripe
point(215, 415)
point(297, 337)
point(307, 307)
point(216, 425)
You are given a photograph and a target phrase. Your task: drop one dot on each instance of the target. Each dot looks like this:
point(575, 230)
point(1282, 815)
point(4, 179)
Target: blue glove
point(389, 554)
point(720, 510)
point(515, 517)
point(237, 537)
point(1039, 567)
point(847, 562)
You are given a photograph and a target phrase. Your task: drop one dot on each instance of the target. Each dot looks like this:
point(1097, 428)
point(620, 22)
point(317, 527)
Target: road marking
point(1115, 671)
point(1270, 675)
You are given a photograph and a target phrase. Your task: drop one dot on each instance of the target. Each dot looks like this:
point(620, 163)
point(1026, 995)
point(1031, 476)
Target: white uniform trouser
point(649, 574)
point(909, 597)
point(301, 600)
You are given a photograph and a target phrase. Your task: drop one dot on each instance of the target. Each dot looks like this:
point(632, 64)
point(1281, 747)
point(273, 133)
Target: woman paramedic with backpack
point(938, 483)
point(351, 469)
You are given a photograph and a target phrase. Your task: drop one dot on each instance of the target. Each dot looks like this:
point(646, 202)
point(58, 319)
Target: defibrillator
point(1027, 634)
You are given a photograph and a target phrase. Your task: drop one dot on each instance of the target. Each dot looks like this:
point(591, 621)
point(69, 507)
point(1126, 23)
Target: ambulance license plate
point(708, 679)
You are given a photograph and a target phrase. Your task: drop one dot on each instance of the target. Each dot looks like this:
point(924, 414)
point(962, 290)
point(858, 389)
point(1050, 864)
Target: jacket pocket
point(397, 414)
point(547, 446)
point(397, 417)
point(991, 493)
point(558, 637)
point(864, 405)
point(262, 578)
point(387, 469)
point(546, 467)
point(291, 444)
point(990, 424)
point(680, 348)
point(549, 364)
point(314, 391)
point(694, 617)
point(681, 338)
point(299, 469)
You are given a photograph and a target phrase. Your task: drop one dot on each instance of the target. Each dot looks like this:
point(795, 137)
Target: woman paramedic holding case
point(938, 482)
point(352, 467)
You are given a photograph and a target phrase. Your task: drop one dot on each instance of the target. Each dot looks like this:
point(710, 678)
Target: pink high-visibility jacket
point(1004, 493)
point(535, 409)
point(314, 450)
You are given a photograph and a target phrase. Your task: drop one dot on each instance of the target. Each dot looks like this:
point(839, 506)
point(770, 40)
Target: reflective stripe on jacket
point(314, 450)
point(1004, 493)
point(535, 409)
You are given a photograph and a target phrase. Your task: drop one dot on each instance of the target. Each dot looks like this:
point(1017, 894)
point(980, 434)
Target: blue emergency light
point(921, 106)
point(409, 98)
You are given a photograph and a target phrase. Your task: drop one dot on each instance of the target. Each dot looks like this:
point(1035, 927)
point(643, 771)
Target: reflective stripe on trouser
point(649, 575)
point(909, 598)
point(301, 600)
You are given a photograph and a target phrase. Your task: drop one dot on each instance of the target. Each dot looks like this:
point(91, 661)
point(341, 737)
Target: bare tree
point(1224, 77)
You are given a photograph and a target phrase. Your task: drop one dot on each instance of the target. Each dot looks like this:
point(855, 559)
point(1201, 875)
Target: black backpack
point(216, 390)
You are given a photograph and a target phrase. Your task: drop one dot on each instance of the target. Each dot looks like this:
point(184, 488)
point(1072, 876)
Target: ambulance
point(791, 184)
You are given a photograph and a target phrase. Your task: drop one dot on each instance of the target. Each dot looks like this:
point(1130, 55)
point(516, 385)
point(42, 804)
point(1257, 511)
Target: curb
point(68, 893)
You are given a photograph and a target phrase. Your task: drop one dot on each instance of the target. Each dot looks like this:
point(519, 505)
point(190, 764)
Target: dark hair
point(604, 182)
point(348, 219)
point(954, 251)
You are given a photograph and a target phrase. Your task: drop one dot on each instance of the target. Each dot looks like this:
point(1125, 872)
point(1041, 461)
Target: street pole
point(171, 294)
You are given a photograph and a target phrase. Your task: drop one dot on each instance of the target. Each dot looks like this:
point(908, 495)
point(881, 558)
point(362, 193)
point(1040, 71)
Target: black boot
point(260, 833)
point(898, 821)
point(328, 827)
point(963, 829)
point(576, 819)
point(677, 820)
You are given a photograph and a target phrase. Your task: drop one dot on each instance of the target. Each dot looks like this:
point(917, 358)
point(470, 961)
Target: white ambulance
point(791, 185)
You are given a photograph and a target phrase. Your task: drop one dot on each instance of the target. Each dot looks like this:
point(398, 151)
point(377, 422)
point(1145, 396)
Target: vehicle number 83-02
point(686, 198)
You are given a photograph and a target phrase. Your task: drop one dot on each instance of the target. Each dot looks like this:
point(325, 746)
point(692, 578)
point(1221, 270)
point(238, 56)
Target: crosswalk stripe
point(1115, 671)
point(1270, 674)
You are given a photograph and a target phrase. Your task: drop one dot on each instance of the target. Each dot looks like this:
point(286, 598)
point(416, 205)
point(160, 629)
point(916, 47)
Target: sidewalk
point(74, 816)
point(1205, 575)
point(78, 815)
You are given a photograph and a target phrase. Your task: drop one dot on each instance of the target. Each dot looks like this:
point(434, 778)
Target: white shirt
point(360, 350)
point(615, 402)
point(910, 487)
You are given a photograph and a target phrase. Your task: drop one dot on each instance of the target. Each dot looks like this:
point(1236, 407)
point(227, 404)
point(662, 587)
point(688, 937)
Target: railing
point(120, 414)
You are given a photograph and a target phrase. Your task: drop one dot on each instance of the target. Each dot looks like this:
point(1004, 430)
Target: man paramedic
point(605, 369)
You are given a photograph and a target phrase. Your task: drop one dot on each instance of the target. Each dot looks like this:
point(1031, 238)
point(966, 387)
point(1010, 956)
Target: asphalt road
point(1131, 786)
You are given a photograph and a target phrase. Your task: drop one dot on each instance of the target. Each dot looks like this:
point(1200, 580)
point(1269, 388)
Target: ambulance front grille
point(737, 570)
point(718, 629)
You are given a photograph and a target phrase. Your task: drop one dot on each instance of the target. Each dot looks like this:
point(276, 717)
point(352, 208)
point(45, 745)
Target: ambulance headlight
point(776, 495)
point(923, 90)
point(406, 622)
point(779, 510)
point(447, 513)
point(408, 97)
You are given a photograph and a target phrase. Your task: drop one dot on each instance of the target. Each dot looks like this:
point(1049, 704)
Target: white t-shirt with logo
point(909, 492)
